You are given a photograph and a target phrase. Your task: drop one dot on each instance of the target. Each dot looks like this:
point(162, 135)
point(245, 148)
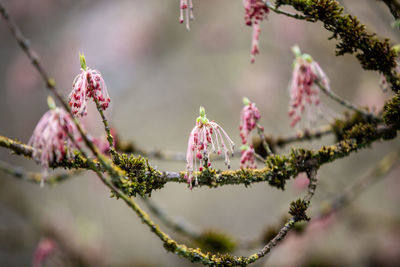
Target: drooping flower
point(255, 12)
point(186, 6)
point(249, 117)
point(88, 84)
point(248, 159)
point(51, 138)
point(304, 89)
point(205, 137)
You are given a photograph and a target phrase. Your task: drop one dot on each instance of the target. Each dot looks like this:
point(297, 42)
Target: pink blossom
point(249, 117)
point(44, 249)
point(50, 139)
point(187, 6)
point(304, 90)
point(255, 12)
point(88, 84)
point(248, 159)
point(205, 136)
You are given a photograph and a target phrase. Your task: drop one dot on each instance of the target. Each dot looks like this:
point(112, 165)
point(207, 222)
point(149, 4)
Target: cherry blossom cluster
point(304, 87)
point(51, 138)
point(205, 137)
point(88, 84)
point(186, 6)
point(249, 117)
point(255, 12)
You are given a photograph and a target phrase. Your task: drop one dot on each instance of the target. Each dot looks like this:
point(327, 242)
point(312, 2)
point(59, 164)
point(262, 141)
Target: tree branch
point(394, 7)
point(35, 177)
point(372, 53)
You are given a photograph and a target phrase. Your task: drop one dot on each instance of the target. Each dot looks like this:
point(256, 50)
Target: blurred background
point(158, 75)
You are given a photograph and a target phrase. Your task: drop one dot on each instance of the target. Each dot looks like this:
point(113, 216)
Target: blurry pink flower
point(249, 117)
point(187, 6)
point(301, 182)
point(255, 12)
point(102, 144)
point(304, 91)
point(204, 135)
point(50, 139)
point(248, 160)
point(88, 84)
point(44, 249)
point(323, 223)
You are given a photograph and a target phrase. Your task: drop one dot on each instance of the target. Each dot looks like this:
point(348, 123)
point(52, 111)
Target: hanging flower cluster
point(51, 137)
point(88, 84)
point(186, 6)
point(249, 117)
point(304, 89)
point(255, 12)
point(205, 137)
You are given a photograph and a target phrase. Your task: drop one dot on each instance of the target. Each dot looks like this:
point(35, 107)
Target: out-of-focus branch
point(345, 103)
point(394, 7)
point(386, 165)
point(335, 204)
point(16, 146)
point(278, 11)
point(276, 142)
point(35, 177)
point(179, 226)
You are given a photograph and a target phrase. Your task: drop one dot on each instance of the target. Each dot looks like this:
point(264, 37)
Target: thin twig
point(345, 103)
point(107, 128)
point(34, 177)
point(178, 225)
point(308, 134)
point(278, 11)
point(380, 171)
point(312, 176)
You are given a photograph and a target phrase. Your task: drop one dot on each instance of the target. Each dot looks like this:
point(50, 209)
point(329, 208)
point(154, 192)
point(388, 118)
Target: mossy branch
point(394, 7)
point(372, 53)
point(138, 177)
